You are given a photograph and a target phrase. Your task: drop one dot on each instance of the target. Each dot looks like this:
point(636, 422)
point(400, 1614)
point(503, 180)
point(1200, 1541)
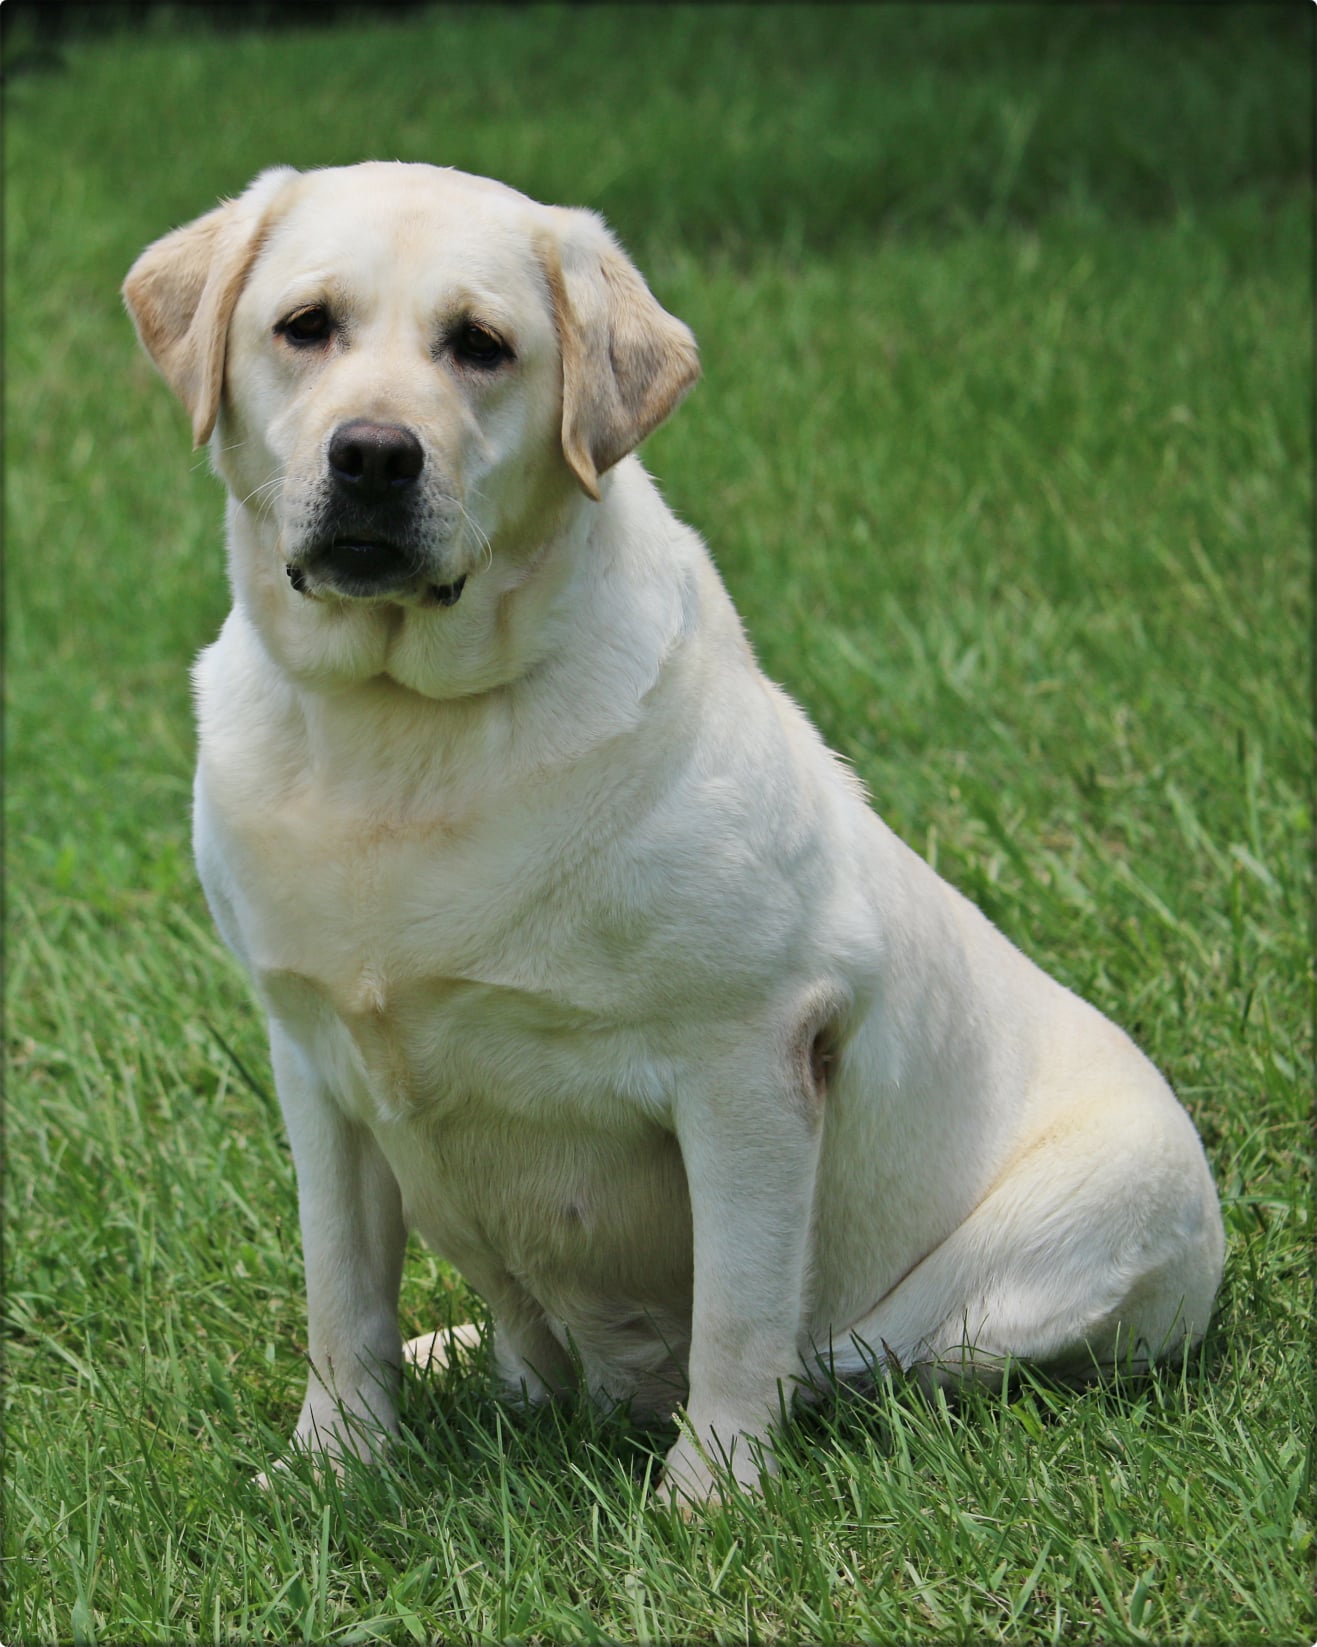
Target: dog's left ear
point(626, 362)
point(182, 289)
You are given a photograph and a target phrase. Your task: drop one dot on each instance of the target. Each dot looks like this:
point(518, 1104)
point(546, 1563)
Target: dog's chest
point(423, 967)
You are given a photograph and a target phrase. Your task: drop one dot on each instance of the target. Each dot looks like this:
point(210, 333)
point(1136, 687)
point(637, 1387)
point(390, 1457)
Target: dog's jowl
point(581, 954)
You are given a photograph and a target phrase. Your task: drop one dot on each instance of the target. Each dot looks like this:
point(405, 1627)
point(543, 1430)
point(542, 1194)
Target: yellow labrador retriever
point(581, 953)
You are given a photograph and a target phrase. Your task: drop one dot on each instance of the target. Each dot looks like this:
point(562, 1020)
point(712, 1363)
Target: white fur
point(582, 955)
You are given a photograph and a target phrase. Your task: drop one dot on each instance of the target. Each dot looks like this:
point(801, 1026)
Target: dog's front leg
point(750, 1143)
point(352, 1238)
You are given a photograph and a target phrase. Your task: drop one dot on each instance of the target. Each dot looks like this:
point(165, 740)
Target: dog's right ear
point(182, 289)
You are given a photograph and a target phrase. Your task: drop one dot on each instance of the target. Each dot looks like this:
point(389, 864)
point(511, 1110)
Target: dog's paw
point(300, 1463)
point(327, 1436)
point(323, 1458)
point(701, 1476)
point(442, 1347)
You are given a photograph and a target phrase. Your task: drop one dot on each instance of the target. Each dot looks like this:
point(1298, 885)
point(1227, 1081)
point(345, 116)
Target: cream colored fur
point(582, 955)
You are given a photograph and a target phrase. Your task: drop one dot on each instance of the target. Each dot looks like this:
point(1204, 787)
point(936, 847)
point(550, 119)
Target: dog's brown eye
point(477, 345)
point(306, 326)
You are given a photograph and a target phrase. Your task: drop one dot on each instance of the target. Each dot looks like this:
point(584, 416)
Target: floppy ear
point(626, 362)
point(181, 291)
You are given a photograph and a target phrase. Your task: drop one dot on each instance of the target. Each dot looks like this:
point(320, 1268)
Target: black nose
point(374, 461)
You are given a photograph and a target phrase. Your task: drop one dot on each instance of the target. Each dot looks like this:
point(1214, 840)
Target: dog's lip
point(357, 565)
point(353, 544)
point(448, 594)
point(364, 568)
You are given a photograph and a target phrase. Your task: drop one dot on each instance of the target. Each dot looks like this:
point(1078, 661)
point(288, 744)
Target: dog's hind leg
point(1100, 1246)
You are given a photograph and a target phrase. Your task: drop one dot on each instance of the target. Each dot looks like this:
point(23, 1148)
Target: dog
point(582, 955)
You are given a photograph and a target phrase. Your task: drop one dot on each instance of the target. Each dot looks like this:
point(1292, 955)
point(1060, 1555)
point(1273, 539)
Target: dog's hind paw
point(442, 1347)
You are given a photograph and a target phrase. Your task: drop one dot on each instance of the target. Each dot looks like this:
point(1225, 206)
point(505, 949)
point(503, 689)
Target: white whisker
point(481, 537)
point(267, 492)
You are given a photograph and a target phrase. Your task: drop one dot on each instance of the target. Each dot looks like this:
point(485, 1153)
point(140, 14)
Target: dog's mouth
point(366, 569)
point(376, 563)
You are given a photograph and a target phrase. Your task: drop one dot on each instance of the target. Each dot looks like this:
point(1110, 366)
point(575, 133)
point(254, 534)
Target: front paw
point(708, 1472)
point(326, 1438)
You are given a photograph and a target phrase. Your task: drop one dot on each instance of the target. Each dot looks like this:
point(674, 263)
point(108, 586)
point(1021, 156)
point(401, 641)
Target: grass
point(1004, 448)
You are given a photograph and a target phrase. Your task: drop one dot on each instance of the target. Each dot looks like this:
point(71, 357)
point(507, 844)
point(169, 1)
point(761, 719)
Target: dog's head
point(405, 374)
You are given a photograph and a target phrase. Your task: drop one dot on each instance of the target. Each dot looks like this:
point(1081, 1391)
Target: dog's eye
point(306, 326)
point(476, 345)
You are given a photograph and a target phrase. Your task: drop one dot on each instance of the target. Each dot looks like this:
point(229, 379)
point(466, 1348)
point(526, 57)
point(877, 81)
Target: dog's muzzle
point(368, 544)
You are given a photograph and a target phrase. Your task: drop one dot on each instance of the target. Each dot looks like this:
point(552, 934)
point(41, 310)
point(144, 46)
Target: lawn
point(1004, 449)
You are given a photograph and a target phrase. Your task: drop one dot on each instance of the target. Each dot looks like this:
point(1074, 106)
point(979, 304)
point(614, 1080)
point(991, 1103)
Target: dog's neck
point(528, 669)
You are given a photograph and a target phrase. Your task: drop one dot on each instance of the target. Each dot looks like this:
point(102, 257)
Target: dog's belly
point(529, 1144)
point(587, 1231)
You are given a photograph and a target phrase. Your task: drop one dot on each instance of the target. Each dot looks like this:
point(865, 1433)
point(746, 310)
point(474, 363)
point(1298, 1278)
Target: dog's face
point(410, 376)
point(394, 386)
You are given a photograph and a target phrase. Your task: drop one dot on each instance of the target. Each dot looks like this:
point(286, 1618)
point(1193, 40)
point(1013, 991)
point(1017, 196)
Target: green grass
point(1004, 447)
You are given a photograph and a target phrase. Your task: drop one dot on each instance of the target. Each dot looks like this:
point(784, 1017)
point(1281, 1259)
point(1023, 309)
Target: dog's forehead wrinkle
point(320, 283)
